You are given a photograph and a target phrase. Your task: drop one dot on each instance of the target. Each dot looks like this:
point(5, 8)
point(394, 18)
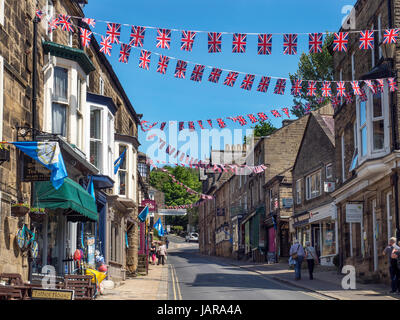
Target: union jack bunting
point(340, 41)
point(231, 79)
point(124, 53)
point(262, 116)
point(392, 84)
point(371, 86)
point(86, 37)
point(163, 124)
point(341, 88)
point(90, 22)
point(181, 126)
point(221, 123)
point(65, 22)
point(242, 120)
point(247, 83)
point(315, 42)
point(144, 60)
point(280, 86)
point(276, 113)
point(53, 25)
point(187, 40)
point(197, 74)
point(239, 43)
point(296, 87)
point(320, 100)
point(312, 89)
point(39, 14)
point(307, 108)
point(367, 40)
point(326, 89)
point(335, 102)
point(114, 31)
point(264, 44)
point(363, 95)
point(180, 70)
point(264, 84)
point(348, 98)
point(210, 123)
point(163, 64)
point(252, 118)
point(286, 111)
point(215, 75)
point(191, 126)
point(163, 38)
point(200, 124)
point(380, 85)
point(290, 44)
point(391, 36)
point(356, 88)
point(105, 45)
point(214, 42)
point(137, 36)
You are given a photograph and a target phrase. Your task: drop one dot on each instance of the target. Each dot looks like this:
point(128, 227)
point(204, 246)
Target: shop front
point(301, 225)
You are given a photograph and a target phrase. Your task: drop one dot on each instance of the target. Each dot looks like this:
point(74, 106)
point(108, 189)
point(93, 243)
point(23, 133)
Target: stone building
point(314, 217)
point(80, 104)
point(366, 139)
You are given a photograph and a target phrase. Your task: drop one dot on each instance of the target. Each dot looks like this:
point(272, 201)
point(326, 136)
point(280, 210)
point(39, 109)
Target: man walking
point(297, 254)
point(162, 253)
point(392, 251)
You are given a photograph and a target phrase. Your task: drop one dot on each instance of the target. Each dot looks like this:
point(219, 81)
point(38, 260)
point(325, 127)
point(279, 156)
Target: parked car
point(192, 237)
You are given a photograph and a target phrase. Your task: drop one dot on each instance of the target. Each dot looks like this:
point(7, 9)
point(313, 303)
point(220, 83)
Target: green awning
point(70, 195)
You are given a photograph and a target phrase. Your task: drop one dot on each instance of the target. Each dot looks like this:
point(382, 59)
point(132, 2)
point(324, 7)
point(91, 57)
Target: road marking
point(173, 282)
point(176, 282)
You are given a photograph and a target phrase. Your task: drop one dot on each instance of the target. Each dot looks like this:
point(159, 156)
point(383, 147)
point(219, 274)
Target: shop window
point(95, 137)
point(313, 185)
point(328, 238)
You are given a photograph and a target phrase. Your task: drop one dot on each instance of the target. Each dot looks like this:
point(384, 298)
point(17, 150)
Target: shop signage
point(354, 212)
point(287, 203)
point(90, 251)
point(172, 212)
point(151, 204)
point(271, 257)
point(50, 294)
point(33, 171)
point(301, 220)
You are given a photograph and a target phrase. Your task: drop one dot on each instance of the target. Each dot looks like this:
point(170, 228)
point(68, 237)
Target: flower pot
point(19, 211)
point(37, 216)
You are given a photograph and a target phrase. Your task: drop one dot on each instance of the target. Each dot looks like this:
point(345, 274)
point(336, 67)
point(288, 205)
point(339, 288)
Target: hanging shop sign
point(151, 204)
point(172, 212)
point(354, 212)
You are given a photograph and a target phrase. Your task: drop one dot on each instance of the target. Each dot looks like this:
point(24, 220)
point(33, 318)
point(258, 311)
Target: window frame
point(312, 194)
point(118, 185)
point(298, 191)
point(99, 140)
point(329, 165)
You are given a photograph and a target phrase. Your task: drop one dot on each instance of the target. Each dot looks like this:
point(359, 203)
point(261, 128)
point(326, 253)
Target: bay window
point(60, 101)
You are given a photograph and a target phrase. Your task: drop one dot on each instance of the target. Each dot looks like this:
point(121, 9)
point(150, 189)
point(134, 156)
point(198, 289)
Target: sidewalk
point(154, 286)
point(327, 282)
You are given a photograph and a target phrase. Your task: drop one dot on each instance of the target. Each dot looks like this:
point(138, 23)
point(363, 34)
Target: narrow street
point(196, 277)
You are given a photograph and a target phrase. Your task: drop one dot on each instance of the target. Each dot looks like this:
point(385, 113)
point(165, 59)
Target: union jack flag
point(264, 84)
point(231, 79)
point(315, 42)
point(341, 88)
point(286, 111)
point(39, 14)
point(247, 83)
point(264, 43)
point(371, 86)
point(163, 64)
point(124, 53)
point(381, 85)
point(263, 116)
point(215, 75)
point(320, 100)
point(307, 108)
point(391, 36)
point(187, 40)
point(239, 43)
point(197, 74)
point(137, 36)
point(200, 124)
point(290, 44)
point(296, 87)
point(180, 70)
point(326, 89)
point(53, 25)
point(363, 95)
point(114, 31)
point(356, 88)
point(335, 102)
point(162, 126)
point(191, 125)
point(181, 126)
point(312, 89)
point(163, 38)
point(214, 42)
point(276, 113)
point(367, 40)
point(144, 59)
point(221, 123)
point(105, 45)
point(252, 118)
point(348, 98)
point(392, 84)
point(65, 22)
point(242, 121)
point(340, 41)
point(280, 86)
point(90, 22)
point(210, 123)
point(86, 37)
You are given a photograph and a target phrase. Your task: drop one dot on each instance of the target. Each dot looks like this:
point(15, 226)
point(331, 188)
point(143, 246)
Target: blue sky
point(165, 98)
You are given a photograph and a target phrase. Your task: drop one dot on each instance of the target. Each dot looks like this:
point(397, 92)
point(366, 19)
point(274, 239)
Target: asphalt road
point(193, 276)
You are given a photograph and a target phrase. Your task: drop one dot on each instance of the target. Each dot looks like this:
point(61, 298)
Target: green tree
point(313, 66)
point(264, 129)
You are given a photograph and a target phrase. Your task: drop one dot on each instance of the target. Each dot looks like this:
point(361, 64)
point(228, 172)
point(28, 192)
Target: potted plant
point(19, 209)
point(37, 214)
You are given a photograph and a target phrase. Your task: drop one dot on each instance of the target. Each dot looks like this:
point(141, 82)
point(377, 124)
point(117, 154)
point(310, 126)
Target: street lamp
point(388, 50)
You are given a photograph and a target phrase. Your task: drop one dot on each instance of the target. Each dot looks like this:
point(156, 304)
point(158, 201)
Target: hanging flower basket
point(37, 214)
point(19, 209)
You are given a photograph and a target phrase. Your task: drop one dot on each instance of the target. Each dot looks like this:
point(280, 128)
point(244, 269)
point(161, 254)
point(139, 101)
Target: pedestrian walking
point(166, 242)
point(153, 251)
point(311, 257)
point(297, 254)
point(392, 251)
point(162, 253)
